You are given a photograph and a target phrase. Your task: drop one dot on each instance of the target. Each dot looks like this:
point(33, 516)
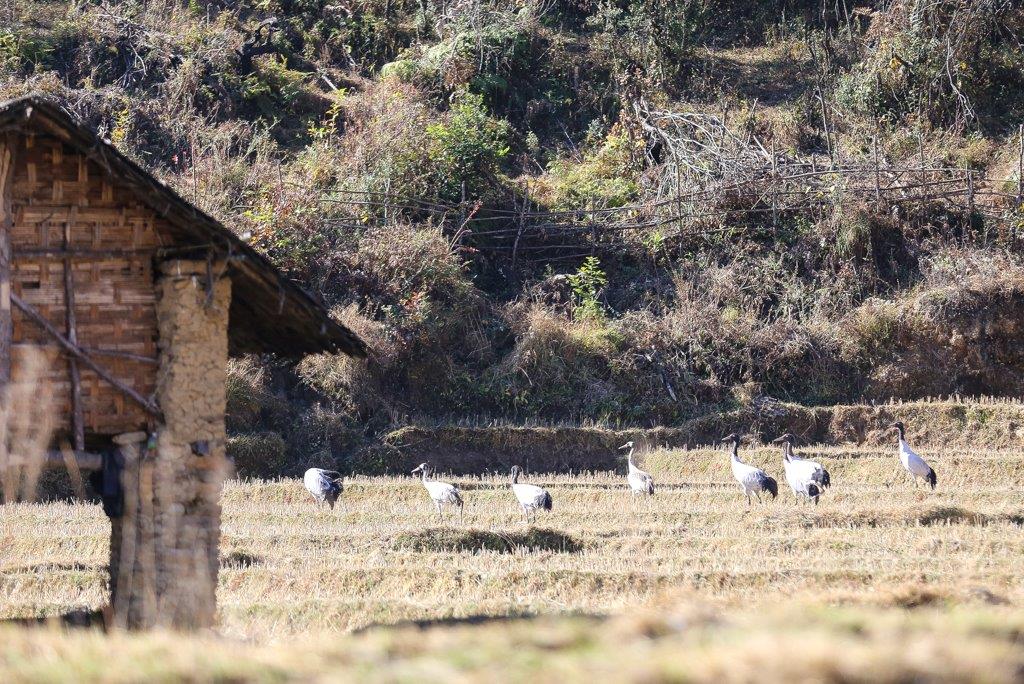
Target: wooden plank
point(77, 352)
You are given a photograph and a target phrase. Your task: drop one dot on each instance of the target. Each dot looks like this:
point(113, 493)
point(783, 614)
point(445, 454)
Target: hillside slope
point(635, 212)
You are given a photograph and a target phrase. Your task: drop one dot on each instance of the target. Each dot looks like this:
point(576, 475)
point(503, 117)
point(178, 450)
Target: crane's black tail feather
point(547, 501)
point(771, 486)
point(826, 479)
point(932, 480)
point(813, 492)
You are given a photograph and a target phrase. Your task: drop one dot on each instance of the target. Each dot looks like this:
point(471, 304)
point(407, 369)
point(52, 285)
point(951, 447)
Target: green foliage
point(587, 283)
point(650, 37)
point(465, 150)
point(20, 50)
point(607, 177)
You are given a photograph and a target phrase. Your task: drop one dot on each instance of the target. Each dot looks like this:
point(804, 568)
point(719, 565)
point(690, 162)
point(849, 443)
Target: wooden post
point(878, 173)
point(970, 199)
point(77, 413)
point(7, 162)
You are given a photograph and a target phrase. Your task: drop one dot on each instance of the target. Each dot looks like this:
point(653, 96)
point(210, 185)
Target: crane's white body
point(816, 471)
point(914, 464)
point(800, 477)
point(639, 481)
point(530, 497)
point(324, 485)
point(805, 477)
point(752, 480)
point(441, 493)
point(749, 477)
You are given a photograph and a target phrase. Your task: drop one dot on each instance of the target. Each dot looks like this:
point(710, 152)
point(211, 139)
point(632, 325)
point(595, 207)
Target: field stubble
point(875, 543)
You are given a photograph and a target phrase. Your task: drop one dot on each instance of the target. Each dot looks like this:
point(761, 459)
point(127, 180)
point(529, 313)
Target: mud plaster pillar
point(167, 555)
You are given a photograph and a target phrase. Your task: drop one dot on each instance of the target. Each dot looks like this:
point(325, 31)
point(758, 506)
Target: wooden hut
point(139, 298)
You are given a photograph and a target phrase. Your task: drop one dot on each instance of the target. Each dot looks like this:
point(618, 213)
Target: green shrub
point(607, 177)
point(465, 150)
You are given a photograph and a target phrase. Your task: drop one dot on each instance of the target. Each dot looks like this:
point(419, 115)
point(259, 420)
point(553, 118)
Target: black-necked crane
point(752, 479)
point(441, 493)
point(802, 475)
point(912, 463)
point(639, 481)
point(530, 497)
point(324, 485)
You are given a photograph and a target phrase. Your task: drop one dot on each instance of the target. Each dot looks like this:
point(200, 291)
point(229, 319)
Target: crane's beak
point(416, 469)
point(626, 445)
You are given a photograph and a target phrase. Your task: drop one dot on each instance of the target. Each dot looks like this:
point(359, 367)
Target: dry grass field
point(881, 580)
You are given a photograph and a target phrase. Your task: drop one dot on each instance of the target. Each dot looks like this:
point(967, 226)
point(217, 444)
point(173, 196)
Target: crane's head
point(421, 468)
point(898, 425)
point(627, 445)
point(732, 438)
point(788, 438)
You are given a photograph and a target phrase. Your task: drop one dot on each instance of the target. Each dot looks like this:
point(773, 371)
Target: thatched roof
point(269, 313)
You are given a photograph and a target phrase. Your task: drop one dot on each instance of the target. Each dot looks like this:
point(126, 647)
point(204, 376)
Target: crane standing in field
point(802, 476)
point(911, 462)
point(752, 480)
point(324, 485)
point(441, 493)
point(639, 481)
point(530, 497)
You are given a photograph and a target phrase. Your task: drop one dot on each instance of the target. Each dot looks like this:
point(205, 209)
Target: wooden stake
point(1020, 166)
point(878, 173)
point(74, 472)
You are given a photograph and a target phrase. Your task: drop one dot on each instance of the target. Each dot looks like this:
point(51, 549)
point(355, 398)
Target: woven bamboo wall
point(62, 201)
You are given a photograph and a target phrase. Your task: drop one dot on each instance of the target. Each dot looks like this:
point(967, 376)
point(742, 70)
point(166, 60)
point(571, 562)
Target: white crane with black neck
point(752, 479)
point(639, 481)
point(803, 476)
point(530, 497)
point(441, 493)
point(911, 462)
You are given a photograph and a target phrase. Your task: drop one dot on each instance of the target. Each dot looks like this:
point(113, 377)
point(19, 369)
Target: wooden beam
point(7, 161)
point(96, 351)
point(77, 352)
point(84, 460)
point(68, 253)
